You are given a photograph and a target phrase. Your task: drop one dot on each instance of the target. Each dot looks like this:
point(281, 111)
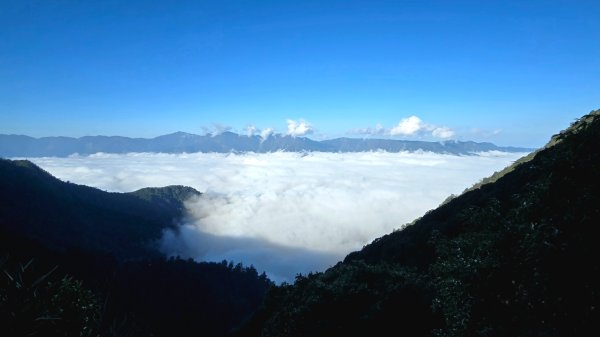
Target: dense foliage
point(351, 299)
point(513, 256)
point(107, 279)
point(37, 303)
point(65, 215)
point(149, 297)
point(170, 199)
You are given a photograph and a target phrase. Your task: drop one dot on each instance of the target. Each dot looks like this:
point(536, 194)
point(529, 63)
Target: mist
point(284, 212)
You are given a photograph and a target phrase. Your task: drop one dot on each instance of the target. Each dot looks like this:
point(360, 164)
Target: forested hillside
point(64, 215)
point(78, 261)
point(513, 256)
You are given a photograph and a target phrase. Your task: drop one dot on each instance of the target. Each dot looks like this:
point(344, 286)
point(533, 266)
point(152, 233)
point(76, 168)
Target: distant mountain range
point(179, 142)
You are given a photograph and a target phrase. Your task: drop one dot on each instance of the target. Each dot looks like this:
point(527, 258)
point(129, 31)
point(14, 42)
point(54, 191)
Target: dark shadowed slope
point(106, 279)
point(64, 215)
point(514, 256)
point(92, 294)
point(180, 142)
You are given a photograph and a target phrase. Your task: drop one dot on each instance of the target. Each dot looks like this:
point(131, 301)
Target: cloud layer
point(286, 212)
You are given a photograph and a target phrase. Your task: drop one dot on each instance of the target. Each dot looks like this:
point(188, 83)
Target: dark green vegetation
point(65, 215)
point(34, 302)
point(78, 261)
point(170, 199)
point(517, 255)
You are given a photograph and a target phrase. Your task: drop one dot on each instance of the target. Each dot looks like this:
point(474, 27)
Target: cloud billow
point(286, 212)
point(298, 128)
point(407, 126)
point(410, 126)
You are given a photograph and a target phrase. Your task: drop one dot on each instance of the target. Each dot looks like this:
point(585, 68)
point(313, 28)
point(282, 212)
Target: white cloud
point(216, 129)
point(266, 133)
point(378, 130)
point(281, 262)
point(410, 126)
point(251, 130)
point(286, 212)
point(407, 126)
point(442, 132)
point(298, 128)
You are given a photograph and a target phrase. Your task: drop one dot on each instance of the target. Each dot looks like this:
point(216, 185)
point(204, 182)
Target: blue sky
point(510, 72)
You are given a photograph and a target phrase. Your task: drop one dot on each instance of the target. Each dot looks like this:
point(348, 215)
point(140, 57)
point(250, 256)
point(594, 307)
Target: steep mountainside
point(78, 261)
point(513, 256)
point(64, 215)
point(179, 142)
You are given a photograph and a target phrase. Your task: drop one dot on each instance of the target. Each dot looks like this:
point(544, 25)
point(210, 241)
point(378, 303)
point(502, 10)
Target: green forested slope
point(65, 215)
point(514, 256)
point(78, 261)
point(170, 198)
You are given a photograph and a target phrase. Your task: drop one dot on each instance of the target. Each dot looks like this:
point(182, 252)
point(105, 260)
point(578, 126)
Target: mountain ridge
point(64, 215)
point(182, 142)
point(79, 261)
point(511, 256)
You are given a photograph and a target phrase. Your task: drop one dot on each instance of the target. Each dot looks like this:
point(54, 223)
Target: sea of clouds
point(285, 212)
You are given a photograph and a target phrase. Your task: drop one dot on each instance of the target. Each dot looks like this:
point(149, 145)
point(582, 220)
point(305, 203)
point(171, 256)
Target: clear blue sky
point(510, 72)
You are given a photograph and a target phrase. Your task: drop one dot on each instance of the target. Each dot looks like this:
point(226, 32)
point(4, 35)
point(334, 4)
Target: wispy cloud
point(442, 132)
point(266, 133)
point(251, 130)
point(410, 126)
point(272, 209)
point(216, 129)
point(378, 130)
point(483, 133)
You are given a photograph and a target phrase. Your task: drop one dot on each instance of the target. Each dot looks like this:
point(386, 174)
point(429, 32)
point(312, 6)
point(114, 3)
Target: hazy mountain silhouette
point(179, 142)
